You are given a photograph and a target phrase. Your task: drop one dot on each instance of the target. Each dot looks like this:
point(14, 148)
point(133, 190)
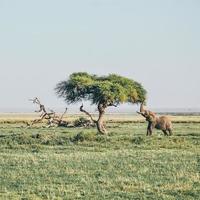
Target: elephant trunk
point(142, 110)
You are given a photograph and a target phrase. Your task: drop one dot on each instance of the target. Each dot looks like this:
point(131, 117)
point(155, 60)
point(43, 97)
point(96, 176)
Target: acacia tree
point(103, 91)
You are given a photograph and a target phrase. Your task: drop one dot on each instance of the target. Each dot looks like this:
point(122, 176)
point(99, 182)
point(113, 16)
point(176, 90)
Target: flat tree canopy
point(103, 91)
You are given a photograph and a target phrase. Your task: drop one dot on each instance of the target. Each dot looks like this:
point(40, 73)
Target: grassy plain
point(77, 163)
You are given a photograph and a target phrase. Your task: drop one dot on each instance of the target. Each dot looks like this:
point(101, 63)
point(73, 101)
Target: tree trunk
point(100, 126)
point(100, 123)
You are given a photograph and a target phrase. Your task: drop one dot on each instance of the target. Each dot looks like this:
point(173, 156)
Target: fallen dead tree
point(51, 117)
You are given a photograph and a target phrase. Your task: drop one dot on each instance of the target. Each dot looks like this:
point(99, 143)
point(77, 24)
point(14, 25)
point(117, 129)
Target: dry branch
point(88, 114)
point(51, 117)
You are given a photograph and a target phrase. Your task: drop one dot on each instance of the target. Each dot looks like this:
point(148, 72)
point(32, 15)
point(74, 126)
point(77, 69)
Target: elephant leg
point(165, 132)
point(170, 132)
point(149, 129)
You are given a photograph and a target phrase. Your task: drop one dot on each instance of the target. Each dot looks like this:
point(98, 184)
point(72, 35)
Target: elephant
point(159, 122)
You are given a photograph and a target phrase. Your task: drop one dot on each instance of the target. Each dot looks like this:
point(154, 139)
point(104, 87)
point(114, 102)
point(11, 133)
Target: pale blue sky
point(155, 42)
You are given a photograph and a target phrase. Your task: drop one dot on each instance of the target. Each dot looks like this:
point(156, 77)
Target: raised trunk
point(142, 108)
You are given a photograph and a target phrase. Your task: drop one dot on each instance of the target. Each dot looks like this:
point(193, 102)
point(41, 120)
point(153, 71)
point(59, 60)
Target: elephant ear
point(150, 116)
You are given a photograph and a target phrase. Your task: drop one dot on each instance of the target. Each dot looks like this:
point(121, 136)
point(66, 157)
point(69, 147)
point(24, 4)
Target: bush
point(83, 122)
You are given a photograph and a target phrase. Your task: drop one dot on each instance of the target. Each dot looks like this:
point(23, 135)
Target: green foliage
point(111, 89)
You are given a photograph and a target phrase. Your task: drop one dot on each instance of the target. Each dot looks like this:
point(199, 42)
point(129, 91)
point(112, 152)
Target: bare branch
point(51, 116)
point(87, 113)
point(63, 114)
point(112, 104)
point(35, 100)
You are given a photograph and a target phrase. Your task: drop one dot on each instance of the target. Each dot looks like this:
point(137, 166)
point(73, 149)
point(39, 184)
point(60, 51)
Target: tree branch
point(112, 104)
point(87, 113)
point(61, 117)
point(35, 100)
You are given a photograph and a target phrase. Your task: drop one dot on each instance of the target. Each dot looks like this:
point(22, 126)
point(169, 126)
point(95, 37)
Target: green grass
point(75, 163)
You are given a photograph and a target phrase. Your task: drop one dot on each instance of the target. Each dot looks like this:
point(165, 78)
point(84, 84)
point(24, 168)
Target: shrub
point(83, 122)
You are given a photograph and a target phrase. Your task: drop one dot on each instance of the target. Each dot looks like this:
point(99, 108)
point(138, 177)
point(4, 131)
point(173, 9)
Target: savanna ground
point(77, 163)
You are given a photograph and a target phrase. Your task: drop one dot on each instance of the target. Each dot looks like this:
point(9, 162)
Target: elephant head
point(148, 115)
